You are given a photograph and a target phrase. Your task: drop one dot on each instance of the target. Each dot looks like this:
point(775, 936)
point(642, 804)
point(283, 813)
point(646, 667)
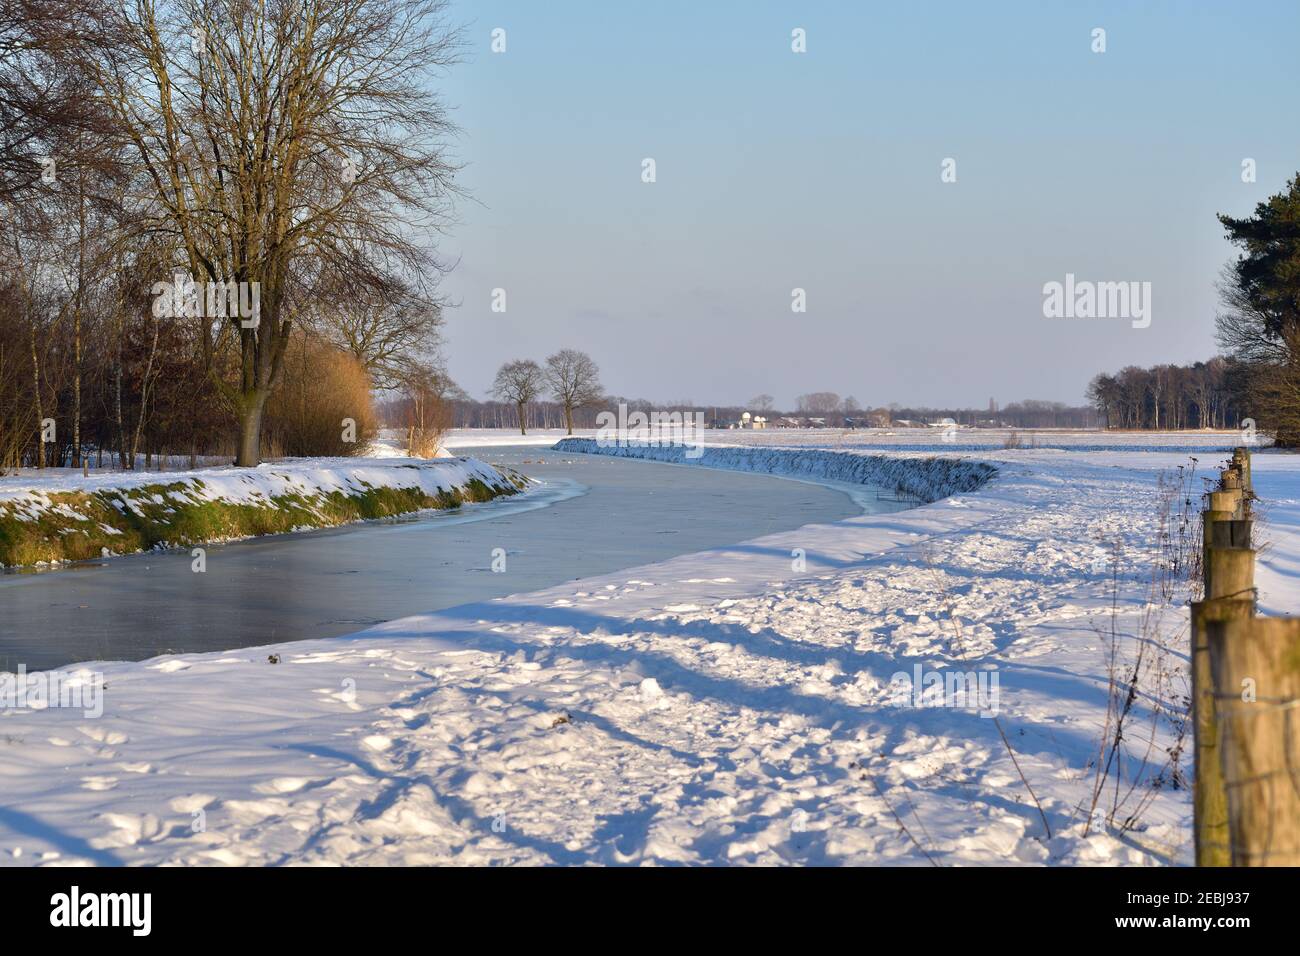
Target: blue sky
point(821, 171)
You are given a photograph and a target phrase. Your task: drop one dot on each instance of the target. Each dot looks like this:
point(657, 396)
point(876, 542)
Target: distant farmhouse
point(868, 420)
point(746, 420)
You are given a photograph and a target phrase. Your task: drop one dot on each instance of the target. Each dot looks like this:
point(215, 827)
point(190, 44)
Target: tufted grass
point(80, 525)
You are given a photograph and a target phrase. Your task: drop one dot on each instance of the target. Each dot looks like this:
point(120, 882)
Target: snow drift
point(928, 479)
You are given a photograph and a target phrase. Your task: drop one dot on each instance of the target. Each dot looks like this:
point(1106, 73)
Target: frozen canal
point(592, 515)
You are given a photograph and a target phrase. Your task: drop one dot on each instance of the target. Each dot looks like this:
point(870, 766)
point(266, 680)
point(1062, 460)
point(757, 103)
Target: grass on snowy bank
point(72, 525)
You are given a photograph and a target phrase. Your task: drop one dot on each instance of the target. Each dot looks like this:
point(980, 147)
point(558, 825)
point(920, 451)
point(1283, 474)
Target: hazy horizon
point(821, 170)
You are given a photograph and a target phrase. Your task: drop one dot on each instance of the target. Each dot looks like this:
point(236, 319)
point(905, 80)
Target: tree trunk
point(40, 412)
point(568, 418)
point(523, 422)
point(117, 401)
point(76, 319)
point(250, 432)
point(76, 387)
point(144, 398)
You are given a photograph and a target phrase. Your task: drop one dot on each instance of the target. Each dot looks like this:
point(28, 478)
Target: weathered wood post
point(1211, 518)
point(1230, 480)
point(1228, 568)
point(1241, 458)
point(1226, 499)
point(1230, 572)
point(1209, 795)
point(1229, 594)
point(1229, 533)
point(1256, 671)
point(1240, 467)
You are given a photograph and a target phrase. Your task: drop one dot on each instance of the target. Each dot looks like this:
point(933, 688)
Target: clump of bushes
point(323, 406)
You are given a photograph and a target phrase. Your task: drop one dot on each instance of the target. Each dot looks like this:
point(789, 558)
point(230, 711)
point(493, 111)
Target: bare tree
point(428, 414)
point(1244, 327)
point(53, 161)
point(574, 380)
point(1104, 393)
point(818, 403)
point(519, 383)
point(45, 106)
point(385, 329)
point(281, 142)
point(762, 403)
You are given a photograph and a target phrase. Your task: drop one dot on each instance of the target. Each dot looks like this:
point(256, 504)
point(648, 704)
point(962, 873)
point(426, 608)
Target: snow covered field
point(721, 707)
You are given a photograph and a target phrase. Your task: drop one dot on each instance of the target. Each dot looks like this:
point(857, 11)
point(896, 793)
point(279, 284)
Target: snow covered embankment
point(929, 479)
point(67, 517)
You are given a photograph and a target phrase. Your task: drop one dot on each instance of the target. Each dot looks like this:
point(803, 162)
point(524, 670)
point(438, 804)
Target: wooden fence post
point(1210, 520)
point(1245, 697)
point(1241, 458)
point(1229, 572)
point(1228, 568)
point(1226, 500)
point(1229, 533)
point(1229, 583)
point(1209, 795)
point(1256, 669)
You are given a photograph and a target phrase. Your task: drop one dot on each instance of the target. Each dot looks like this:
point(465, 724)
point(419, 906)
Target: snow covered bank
point(460, 439)
point(926, 478)
point(56, 516)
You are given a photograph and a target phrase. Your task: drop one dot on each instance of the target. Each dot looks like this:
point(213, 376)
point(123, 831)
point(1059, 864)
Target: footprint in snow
point(282, 785)
point(103, 735)
point(170, 667)
point(128, 829)
point(192, 802)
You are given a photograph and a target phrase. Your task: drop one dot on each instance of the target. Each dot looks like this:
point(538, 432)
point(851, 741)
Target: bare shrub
point(1143, 668)
point(323, 406)
point(428, 413)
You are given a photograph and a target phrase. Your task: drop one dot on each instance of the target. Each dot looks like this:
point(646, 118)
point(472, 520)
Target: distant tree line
point(1028, 413)
point(1201, 395)
point(545, 413)
point(521, 401)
